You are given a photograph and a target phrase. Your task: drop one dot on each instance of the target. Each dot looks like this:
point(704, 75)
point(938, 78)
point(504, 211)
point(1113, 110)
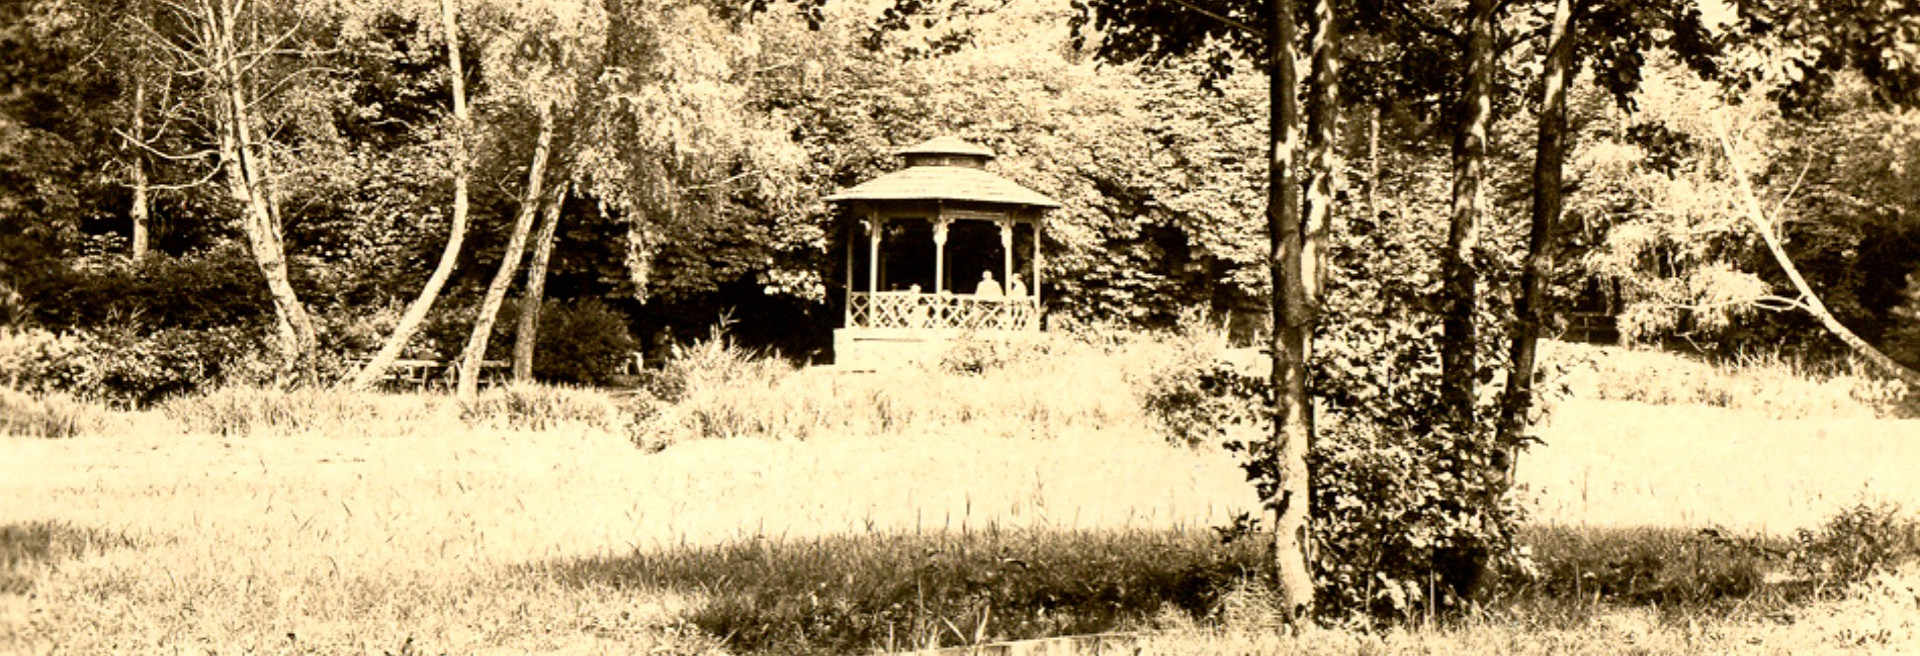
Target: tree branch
point(1229, 22)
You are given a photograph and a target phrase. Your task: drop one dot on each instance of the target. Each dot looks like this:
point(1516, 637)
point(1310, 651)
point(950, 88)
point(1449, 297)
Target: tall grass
point(48, 414)
point(1767, 384)
point(715, 389)
point(862, 593)
point(28, 548)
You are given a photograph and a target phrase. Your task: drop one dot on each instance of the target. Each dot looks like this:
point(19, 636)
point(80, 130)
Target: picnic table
point(420, 374)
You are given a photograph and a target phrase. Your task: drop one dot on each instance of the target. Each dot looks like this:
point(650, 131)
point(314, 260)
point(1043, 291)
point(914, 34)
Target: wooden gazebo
point(907, 291)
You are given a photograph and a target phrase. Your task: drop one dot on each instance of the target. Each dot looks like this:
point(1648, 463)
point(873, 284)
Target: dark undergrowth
point(26, 545)
point(859, 594)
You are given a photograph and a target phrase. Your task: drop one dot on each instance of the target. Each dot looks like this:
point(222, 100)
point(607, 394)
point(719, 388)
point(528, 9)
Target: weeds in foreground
point(29, 545)
point(1773, 385)
point(856, 594)
point(48, 414)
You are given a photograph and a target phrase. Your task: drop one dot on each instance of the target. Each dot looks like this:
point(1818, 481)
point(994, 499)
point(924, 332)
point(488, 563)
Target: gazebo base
point(872, 349)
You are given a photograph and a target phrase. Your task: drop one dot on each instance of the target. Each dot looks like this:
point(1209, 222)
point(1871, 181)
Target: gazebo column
point(939, 255)
point(874, 226)
point(848, 300)
point(1036, 263)
point(1006, 251)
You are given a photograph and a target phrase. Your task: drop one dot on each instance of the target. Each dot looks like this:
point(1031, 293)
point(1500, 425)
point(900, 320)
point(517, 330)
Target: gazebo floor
point(868, 349)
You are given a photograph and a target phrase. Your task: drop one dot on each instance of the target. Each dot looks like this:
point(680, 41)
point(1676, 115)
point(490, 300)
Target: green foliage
point(122, 367)
point(217, 289)
point(582, 342)
point(878, 592)
point(1661, 566)
point(1854, 544)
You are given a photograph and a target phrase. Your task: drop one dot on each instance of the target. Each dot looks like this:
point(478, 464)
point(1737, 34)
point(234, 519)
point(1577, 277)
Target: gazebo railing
point(915, 310)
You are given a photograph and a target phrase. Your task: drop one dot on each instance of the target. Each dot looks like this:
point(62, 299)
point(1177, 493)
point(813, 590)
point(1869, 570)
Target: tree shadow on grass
point(857, 594)
point(24, 545)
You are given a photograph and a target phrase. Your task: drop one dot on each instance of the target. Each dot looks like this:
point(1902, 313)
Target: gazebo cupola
point(938, 248)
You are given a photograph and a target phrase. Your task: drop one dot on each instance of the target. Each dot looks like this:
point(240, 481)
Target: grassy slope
point(356, 544)
point(329, 543)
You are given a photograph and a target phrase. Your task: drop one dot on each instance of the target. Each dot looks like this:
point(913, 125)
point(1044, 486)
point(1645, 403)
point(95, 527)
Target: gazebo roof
point(946, 145)
point(941, 182)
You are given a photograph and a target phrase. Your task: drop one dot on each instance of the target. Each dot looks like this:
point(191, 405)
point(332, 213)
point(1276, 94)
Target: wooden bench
point(421, 374)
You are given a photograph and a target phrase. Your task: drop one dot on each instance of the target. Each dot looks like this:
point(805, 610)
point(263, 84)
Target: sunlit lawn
point(461, 541)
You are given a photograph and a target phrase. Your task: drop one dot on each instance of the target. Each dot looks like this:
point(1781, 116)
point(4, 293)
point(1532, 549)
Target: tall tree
point(526, 334)
point(1156, 30)
point(1461, 273)
point(456, 234)
point(1549, 161)
point(473, 357)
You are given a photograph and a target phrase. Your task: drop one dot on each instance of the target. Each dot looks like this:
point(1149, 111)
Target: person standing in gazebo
point(987, 286)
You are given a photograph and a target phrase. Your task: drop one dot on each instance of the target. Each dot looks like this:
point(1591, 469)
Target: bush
point(121, 367)
point(972, 354)
point(1409, 500)
point(1856, 543)
point(215, 289)
point(582, 342)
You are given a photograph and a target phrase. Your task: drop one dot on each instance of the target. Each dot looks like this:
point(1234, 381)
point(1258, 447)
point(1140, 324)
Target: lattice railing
point(942, 311)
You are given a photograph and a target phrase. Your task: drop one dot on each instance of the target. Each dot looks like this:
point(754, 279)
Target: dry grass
point(1764, 385)
point(1616, 463)
point(333, 524)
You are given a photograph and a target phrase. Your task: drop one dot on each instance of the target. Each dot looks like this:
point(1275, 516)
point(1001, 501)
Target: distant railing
point(917, 310)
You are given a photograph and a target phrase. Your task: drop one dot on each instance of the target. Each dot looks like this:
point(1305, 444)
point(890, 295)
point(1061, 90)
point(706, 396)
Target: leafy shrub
point(1856, 543)
point(121, 367)
point(1409, 503)
point(1663, 566)
point(215, 289)
point(582, 342)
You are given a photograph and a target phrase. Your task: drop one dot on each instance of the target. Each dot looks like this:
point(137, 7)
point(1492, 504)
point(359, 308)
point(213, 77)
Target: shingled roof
point(943, 182)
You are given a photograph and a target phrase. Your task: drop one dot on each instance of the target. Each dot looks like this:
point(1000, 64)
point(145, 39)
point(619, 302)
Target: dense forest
point(686, 147)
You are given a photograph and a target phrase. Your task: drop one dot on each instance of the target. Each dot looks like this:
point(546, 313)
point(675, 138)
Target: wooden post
point(847, 296)
point(1006, 251)
point(1036, 269)
point(874, 225)
point(939, 254)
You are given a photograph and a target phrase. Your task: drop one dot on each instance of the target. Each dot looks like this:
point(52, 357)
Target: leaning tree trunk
point(1458, 370)
point(1291, 331)
point(1529, 303)
point(1750, 205)
point(527, 334)
point(456, 235)
point(246, 169)
point(474, 356)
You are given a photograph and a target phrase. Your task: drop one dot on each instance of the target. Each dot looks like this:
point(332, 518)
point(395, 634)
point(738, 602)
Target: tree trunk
point(138, 212)
point(1529, 302)
point(472, 358)
point(527, 334)
point(245, 168)
point(1750, 204)
point(1373, 164)
point(1459, 372)
point(1323, 150)
point(1291, 330)
point(456, 236)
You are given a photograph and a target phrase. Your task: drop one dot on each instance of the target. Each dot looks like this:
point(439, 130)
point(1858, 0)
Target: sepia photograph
point(960, 327)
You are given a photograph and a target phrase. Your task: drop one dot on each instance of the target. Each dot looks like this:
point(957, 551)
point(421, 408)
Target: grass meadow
point(784, 511)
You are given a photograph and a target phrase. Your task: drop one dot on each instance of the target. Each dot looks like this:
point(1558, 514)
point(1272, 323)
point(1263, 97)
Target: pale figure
point(1016, 288)
point(988, 287)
